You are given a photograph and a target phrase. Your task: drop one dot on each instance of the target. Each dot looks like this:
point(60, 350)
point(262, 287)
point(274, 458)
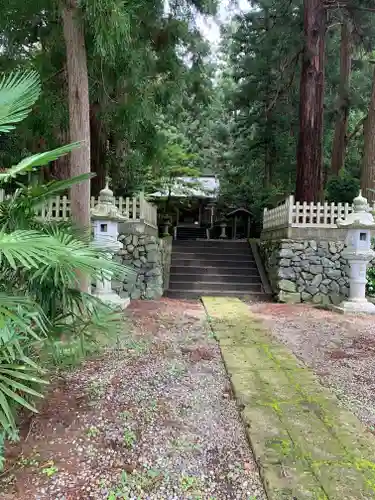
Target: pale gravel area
point(340, 350)
point(152, 419)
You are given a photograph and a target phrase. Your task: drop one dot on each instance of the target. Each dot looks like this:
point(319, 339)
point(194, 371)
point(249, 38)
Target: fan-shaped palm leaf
point(37, 195)
point(37, 160)
point(16, 377)
point(26, 317)
point(18, 93)
point(19, 318)
point(29, 249)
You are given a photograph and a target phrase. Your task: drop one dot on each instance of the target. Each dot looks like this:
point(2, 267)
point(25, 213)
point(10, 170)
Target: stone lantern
point(359, 254)
point(105, 219)
point(223, 227)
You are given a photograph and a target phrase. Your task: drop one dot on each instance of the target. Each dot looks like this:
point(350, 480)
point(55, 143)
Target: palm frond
point(37, 160)
point(18, 93)
point(29, 249)
point(15, 390)
point(86, 259)
point(21, 315)
point(37, 195)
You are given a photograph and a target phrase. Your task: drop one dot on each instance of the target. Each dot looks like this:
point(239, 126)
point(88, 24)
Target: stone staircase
point(190, 233)
point(214, 268)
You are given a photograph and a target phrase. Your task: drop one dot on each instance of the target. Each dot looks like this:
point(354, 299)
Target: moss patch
point(306, 446)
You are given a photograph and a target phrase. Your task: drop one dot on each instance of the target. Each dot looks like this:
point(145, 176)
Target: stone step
point(217, 277)
point(244, 269)
point(247, 257)
point(212, 243)
point(215, 286)
point(197, 294)
point(190, 233)
point(213, 251)
point(218, 263)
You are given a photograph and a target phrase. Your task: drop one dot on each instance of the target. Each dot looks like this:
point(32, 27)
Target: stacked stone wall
point(306, 271)
point(149, 257)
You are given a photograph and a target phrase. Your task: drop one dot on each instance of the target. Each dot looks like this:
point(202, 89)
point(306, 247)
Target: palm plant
point(39, 262)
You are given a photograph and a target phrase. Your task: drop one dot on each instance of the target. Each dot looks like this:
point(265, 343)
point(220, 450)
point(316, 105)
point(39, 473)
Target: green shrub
point(370, 287)
point(342, 189)
point(40, 302)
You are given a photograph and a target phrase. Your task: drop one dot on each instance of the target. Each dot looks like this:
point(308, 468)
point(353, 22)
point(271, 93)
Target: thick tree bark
point(268, 131)
point(79, 110)
point(79, 118)
point(98, 150)
point(269, 152)
point(368, 167)
point(310, 150)
point(341, 127)
point(61, 168)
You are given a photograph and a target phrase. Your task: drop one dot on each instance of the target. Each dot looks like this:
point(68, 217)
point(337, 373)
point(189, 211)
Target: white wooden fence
point(295, 214)
point(135, 209)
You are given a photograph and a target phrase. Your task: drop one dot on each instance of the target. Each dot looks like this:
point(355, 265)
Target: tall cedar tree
point(342, 113)
point(368, 166)
point(79, 117)
point(79, 109)
point(309, 151)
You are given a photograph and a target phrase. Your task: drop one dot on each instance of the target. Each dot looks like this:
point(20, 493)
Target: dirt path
point(152, 419)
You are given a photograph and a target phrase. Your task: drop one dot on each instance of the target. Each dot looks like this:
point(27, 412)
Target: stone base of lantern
point(355, 307)
point(114, 300)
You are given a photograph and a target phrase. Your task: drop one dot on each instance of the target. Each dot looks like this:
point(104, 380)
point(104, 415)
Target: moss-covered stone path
point(306, 446)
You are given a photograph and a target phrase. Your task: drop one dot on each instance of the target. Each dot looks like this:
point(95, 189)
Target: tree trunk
point(268, 131)
point(79, 118)
point(79, 110)
point(368, 167)
point(341, 127)
point(98, 150)
point(60, 168)
point(310, 149)
point(269, 152)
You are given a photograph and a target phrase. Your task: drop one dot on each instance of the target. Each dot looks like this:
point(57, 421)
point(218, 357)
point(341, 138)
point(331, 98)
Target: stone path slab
point(306, 446)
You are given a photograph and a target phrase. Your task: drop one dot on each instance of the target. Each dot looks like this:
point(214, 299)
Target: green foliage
point(259, 80)
point(19, 92)
point(342, 189)
point(40, 300)
point(370, 286)
point(145, 58)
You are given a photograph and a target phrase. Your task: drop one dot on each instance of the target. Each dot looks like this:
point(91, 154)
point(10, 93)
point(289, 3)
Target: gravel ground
point(152, 419)
point(340, 349)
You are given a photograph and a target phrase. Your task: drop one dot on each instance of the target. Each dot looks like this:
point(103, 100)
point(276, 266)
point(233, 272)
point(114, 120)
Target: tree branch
point(334, 4)
point(282, 90)
point(355, 131)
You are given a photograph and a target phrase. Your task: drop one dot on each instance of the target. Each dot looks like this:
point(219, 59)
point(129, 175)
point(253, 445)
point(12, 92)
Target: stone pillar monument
point(358, 253)
point(106, 217)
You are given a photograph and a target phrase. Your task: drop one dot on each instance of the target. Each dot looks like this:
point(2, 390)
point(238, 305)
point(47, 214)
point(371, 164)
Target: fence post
point(142, 206)
point(120, 205)
point(134, 214)
point(318, 212)
point(312, 212)
point(127, 207)
point(290, 210)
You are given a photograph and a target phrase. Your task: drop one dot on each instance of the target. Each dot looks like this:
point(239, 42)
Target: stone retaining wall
point(306, 271)
point(150, 258)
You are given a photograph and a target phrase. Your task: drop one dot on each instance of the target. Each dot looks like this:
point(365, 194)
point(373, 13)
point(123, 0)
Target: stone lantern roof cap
point(106, 208)
point(361, 217)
